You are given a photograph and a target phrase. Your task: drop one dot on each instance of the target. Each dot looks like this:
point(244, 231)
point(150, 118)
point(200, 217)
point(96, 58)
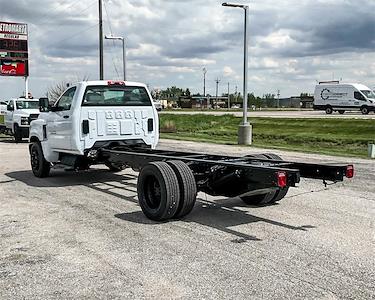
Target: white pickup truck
point(17, 117)
point(116, 123)
point(88, 116)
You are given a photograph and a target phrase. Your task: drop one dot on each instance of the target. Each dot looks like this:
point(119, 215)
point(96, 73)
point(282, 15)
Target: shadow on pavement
point(10, 140)
point(221, 214)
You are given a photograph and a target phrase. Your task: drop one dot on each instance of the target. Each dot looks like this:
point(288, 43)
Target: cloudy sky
point(293, 43)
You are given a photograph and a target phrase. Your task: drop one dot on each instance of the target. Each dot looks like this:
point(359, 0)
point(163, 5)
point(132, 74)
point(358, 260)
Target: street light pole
point(228, 97)
point(245, 128)
point(204, 81)
point(110, 37)
point(217, 90)
point(101, 63)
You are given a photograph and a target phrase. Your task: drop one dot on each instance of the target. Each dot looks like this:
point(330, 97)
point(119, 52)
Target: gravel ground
point(83, 236)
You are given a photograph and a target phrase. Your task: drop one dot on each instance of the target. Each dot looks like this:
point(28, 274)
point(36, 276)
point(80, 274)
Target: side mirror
point(10, 108)
point(44, 105)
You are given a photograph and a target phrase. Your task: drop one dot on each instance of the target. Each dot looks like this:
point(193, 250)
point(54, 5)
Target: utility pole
point(101, 64)
point(228, 97)
point(204, 81)
point(217, 89)
point(278, 98)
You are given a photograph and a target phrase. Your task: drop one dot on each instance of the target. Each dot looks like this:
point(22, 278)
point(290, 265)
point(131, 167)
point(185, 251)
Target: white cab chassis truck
point(334, 96)
point(16, 119)
point(115, 123)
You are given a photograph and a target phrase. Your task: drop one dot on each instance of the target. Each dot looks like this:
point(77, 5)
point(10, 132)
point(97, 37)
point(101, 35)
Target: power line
point(113, 42)
point(71, 36)
point(67, 8)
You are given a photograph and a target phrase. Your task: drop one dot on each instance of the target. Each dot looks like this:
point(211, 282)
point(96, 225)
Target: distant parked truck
point(334, 96)
point(17, 115)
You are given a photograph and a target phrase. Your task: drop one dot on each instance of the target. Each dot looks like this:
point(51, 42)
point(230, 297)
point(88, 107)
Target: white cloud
point(292, 44)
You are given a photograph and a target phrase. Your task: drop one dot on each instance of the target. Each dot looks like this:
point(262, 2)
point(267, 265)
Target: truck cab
point(18, 116)
point(90, 115)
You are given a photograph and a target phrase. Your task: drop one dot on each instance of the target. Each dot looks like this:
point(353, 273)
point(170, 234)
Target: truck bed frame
point(258, 179)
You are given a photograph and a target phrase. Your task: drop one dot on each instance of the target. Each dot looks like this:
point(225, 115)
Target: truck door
point(60, 124)
point(359, 99)
point(9, 115)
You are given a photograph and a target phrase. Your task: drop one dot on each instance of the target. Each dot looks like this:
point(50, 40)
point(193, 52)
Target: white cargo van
point(335, 96)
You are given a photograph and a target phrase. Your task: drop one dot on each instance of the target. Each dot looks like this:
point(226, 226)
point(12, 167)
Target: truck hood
point(27, 112)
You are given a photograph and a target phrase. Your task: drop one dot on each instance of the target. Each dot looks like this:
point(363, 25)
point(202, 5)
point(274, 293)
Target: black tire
point(341, 112)
point(39, 165)
point(158, 191)
point(329, 110)
point(364, 110)
point(260, 199)
point(17, 134)
point(281, 193)
point(187, 185)
point(115, 167)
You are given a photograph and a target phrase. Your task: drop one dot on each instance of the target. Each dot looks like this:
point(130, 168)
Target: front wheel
point(17, 134)
point(329, 110)
point(39, 165)
point(364, 110)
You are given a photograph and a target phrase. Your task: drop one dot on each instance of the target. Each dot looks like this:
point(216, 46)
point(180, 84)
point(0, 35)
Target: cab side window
point(66, 99)
point(10, 105)
point(359, 96)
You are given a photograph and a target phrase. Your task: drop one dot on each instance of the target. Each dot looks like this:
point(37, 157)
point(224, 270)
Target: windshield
point(116, 96)
point(368, 94)
point(24, 104)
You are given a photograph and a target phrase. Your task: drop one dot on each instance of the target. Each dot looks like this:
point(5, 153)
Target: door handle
point(66, 117)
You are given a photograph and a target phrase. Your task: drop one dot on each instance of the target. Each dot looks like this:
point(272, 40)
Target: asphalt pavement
point(83, 236)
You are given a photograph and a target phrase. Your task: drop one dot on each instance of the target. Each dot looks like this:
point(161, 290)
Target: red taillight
point(113, 82)
point(349, 171)
point(281, 179)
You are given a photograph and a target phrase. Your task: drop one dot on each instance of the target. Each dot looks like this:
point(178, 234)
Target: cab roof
point(357, 86)
point(113, 82)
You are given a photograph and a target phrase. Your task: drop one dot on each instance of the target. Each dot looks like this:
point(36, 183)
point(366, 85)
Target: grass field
point(346, 137)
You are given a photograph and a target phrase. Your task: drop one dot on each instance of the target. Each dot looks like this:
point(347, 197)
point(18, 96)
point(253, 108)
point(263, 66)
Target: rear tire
point(341, 112)
point(259, 200)
point(39, 165)
point(281, 193)
point(158, 191)
point(271, 197)
point(364, 110)
point(187, 185)
point(17, 134)
point(329, 110)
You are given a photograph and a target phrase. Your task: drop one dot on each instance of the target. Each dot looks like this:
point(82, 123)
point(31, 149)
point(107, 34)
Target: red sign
point(13, 49)
point(12, 68)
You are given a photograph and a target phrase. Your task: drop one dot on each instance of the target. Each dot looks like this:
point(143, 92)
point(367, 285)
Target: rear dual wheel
point(270, 197)
point(166, 190)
